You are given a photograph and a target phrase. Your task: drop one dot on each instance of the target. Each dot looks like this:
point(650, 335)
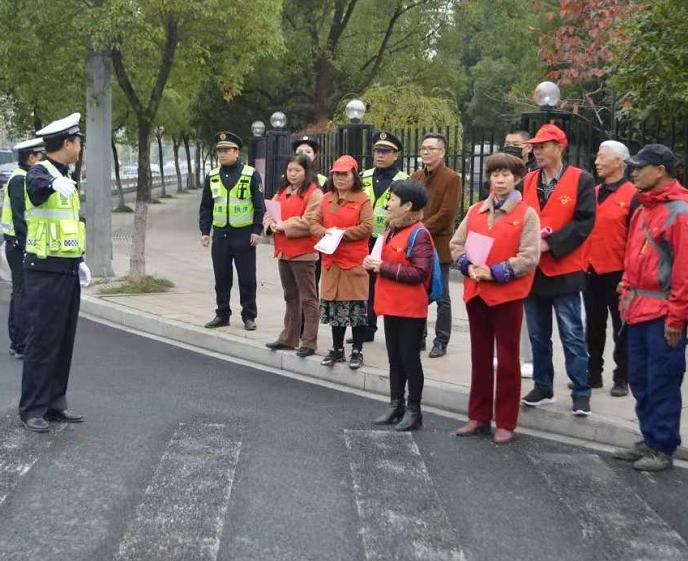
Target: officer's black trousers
point(52, 301)
point(235, 248)
point(16, 322)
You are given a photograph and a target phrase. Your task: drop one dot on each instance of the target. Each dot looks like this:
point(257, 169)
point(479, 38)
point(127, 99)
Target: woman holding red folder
point(494, 289)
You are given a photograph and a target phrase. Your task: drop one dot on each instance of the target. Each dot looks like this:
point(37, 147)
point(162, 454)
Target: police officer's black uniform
point(232, 245)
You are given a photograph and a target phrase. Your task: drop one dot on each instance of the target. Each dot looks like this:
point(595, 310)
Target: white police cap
point(35, 145)
point(62, 128)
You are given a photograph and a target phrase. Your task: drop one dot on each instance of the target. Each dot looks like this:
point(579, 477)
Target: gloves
point(84, 275)
point(64, 186)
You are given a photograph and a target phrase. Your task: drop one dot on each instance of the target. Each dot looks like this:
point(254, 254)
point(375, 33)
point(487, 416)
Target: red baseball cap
point(547, 133)
point(344, 164)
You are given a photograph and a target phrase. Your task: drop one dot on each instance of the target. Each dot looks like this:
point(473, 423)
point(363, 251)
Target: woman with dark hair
point(297, 195)
point(344, 285)
point(507, 233)
point(401, 296)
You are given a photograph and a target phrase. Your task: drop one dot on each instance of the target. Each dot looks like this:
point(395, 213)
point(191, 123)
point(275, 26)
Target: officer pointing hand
point(64, 186)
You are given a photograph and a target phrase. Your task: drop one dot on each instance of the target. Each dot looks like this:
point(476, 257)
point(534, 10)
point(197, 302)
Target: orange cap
point(345, 163)
point(548, 133)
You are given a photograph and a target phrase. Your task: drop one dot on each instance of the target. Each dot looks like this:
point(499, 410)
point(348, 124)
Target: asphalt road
point(187, 457)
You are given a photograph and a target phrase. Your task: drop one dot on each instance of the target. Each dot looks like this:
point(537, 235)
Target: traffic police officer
point(310, 147)
point(13, 226)
point(376, 182)
point(53, 269)
point(233, 205)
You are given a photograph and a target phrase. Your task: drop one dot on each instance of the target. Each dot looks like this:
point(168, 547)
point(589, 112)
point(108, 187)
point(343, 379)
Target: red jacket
point(655, 279)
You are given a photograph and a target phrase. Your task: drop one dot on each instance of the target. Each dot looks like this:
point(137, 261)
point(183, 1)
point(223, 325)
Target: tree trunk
point(175, 148)
point(189, 169)
point(322, 67)
point(137, 259)
point(118, 179)
point(197, 171)
point(163, 193)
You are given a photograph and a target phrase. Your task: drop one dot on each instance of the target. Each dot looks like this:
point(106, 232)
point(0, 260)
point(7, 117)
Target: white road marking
point(182, 514)
point(608, 510)
point(401, 514)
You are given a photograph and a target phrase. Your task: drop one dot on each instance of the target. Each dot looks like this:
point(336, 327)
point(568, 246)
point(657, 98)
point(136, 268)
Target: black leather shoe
point(438, 349)
point(396, 411)
point(64, 416)
point(217, 321)
point(36, 424)
point(619, 389)
point(250, 324)
point(277, 346)
point(413, 419)
point(304, 352)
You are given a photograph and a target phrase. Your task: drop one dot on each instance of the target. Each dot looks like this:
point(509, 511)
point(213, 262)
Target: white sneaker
point(527, 370)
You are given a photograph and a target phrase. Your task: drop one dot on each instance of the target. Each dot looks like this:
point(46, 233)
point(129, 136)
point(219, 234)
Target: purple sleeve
point(421, 259)
point(463, 262)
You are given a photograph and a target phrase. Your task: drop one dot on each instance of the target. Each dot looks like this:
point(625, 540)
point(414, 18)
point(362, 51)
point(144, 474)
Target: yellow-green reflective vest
point(379, 205)
point(6, 218)
point(54, 228)
point(322, 179)
point(235, 205)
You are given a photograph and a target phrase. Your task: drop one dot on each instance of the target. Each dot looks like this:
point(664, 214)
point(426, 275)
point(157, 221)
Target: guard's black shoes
point(438, 349)
point(250, 324)
point(64, 416)
point(278, 346)
point(36, 424)
point(217, 321)
point(619, 389)
point(396, 411)
point(356, 360)
point(333, 356)
point(413, 419)
point(305, 351)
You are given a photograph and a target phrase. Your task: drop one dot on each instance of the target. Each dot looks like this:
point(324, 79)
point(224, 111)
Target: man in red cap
point(564, 198)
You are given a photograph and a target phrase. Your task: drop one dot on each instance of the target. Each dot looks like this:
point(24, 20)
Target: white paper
point(274, 209)
point(478, 247)
point(376, 253)
point(329, 243)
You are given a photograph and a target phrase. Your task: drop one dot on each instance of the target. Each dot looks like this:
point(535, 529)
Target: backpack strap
point(412, 240)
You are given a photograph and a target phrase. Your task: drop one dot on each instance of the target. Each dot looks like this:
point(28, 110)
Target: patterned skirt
point(342, 313)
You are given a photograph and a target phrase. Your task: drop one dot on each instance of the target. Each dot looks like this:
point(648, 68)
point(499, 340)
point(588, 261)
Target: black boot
point(413, 418)
point(333, 356)
point(396, 411)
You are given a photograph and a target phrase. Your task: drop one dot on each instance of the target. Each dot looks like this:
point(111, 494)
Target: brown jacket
point(340, 284)
point(444, 194)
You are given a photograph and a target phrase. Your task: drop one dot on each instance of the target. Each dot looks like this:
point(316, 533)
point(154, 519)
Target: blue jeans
point(567, 308)
point(655, 373)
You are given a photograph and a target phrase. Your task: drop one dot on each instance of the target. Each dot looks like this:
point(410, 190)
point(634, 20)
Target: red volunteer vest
point(294, 205)
point(556, 214)
point(349, 254)
point(607, 243)
point(394, 298)
point(507, 238)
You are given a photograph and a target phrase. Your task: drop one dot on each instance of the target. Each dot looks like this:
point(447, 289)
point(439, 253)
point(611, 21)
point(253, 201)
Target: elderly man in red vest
point(564, 198)
point(616, 202)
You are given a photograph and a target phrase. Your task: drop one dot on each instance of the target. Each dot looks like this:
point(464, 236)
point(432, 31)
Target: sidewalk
point(173, 251)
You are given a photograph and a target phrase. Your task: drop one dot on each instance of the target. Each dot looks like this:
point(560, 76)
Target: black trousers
point(602, 300)
point(229, 250)
point(52, 301)
point(403, 338)
point(17, 321)
point(443, 323)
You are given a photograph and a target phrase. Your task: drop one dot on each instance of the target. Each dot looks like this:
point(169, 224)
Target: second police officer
point(310, 147)
point(233, 205)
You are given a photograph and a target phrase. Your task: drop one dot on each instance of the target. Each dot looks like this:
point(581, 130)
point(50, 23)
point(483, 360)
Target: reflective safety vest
point(54, 228)
point(379, 204)
point(233, 206)
point(6, 218)
point(322, 179)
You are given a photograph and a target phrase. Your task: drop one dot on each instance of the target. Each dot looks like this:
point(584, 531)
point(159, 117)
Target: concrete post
point(98, 157)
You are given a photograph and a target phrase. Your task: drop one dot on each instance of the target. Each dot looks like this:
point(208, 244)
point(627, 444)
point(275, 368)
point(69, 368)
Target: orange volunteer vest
point(294, 205)
point(349, 254)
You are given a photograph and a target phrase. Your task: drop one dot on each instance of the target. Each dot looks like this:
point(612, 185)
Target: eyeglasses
point(429, 149)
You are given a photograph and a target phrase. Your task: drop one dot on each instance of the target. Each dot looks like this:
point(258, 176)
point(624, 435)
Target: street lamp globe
point(355, 110)
point(547, 94)
point(278, 120)
point(257, 128)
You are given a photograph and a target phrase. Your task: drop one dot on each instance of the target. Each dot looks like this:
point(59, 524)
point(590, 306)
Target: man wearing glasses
point(444, 193)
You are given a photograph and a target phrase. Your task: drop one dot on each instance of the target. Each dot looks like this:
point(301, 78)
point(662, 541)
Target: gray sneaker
point(639, 450)
point(656, 460)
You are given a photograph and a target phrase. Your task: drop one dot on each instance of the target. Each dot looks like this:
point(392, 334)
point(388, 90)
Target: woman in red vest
point(298, 194)
point(506, 231)
point(344, 284)
point(401, 295)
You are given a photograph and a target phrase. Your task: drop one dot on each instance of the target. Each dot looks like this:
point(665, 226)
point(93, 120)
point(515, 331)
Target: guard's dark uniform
point(232, 244)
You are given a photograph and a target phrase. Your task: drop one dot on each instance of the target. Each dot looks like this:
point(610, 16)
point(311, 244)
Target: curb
point(437, 394)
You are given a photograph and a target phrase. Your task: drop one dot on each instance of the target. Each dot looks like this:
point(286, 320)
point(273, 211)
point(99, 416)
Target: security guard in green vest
point(54, 272)
point(376, 182)
point(233, 205)
point(13, 226)
point(310, 147)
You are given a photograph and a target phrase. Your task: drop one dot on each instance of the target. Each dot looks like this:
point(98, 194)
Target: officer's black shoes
point(620, 389)
point(333, 356)
point(438, 349)
point(396, 411)
point(303, 352)
point(64, 416)
point(356, 360)
point(36, 424)
point(277, 346)
point(250, 324)
point(217, 321)
point(413, 419)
